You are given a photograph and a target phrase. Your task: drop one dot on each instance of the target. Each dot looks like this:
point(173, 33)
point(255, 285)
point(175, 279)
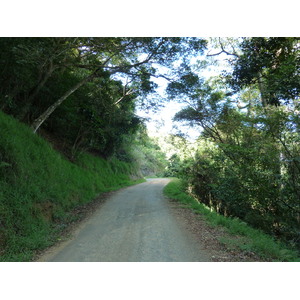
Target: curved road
point(135, 224)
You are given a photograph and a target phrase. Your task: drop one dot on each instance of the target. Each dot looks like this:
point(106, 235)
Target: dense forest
point(247, 160)
point(82, 95)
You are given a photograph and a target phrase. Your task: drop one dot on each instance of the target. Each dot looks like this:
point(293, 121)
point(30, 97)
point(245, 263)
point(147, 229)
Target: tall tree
point(273, 64)
point(28, 63)
point(130, 57)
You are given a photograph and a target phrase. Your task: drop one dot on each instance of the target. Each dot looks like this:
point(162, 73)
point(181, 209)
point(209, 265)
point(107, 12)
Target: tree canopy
point(101, 79)
point(245, 162)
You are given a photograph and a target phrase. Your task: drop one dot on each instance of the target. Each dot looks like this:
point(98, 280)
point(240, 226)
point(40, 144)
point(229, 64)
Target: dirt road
point(135, 224)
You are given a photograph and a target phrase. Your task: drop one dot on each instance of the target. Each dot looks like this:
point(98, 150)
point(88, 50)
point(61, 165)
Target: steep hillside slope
point(38, 187)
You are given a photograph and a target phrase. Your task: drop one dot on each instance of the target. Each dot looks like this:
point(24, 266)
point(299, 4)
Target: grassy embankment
point(39, 187)
point(250, 239)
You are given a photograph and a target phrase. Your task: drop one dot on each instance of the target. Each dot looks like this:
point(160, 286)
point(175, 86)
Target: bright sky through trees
point(160, 122)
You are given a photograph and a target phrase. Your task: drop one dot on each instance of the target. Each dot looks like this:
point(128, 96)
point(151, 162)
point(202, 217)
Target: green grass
point(38, 187)
point(250, 239)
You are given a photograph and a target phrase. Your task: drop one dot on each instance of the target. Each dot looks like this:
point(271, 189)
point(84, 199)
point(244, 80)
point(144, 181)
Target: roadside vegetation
point(246, 164)
point(249, 238)
point(38, 187)
point(82, 95)
point(79, 94)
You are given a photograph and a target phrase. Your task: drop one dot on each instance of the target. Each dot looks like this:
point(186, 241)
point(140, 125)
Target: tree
point(94, 119)
point(28, 63)
point(144, 151)
point(273, 64)
point(123, 56)
point(249, 168)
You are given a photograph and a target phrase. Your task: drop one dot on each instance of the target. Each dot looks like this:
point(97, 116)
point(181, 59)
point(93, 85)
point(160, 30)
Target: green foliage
point(93, 109)
point(252, 239)
point(186, 85)
point(93, 121)
point(249, 168)
point(144, 152)
point(178, 152)
point(38, 188)
point(247, 163)
point(274, 63)
point(246, 173)
point(174, 166)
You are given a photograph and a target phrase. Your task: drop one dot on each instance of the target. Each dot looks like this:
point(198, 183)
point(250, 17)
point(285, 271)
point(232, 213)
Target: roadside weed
point(245, 237)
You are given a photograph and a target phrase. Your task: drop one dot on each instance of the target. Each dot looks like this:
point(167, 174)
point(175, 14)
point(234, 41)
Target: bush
point(254, 240)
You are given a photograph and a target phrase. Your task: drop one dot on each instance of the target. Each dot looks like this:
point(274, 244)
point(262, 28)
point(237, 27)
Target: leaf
point(4, 164)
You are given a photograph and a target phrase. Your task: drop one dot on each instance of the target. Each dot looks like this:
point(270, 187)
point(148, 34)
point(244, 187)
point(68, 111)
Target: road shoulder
point(210, 237)
point(79, 216)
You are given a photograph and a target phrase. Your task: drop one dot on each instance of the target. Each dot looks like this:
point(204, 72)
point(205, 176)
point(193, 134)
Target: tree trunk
point(30, 100)
point(45, 115)
point(261, 88)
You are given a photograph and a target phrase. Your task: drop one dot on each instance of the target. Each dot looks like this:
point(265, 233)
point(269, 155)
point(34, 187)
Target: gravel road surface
point(135, 224)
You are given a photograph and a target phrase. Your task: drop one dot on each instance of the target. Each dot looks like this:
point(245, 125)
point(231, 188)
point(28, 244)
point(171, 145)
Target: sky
point(160, 122)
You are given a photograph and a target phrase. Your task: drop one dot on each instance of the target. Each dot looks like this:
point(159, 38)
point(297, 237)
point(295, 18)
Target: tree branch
point(129, 92)
point(224, 51)
point(45, 115)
